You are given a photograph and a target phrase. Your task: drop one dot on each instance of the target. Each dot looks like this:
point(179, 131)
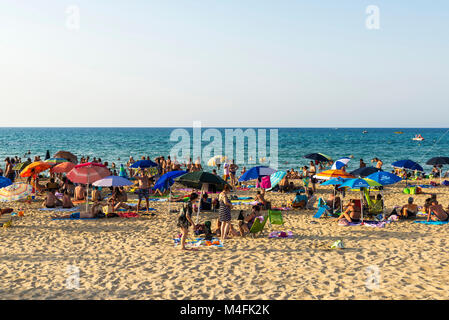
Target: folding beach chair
point(258, 226)
point(311, 203)
point(275, 217)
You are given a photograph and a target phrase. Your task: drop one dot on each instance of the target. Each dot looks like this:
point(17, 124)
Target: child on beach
point(185, 219)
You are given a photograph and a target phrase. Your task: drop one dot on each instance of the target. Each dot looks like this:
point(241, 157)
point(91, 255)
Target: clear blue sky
point(225, 63)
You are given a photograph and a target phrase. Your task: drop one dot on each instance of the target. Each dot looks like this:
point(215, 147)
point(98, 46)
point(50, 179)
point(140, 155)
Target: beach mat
point(200, 242)
point(436, 223)
point(74, 218)
point(377, 224)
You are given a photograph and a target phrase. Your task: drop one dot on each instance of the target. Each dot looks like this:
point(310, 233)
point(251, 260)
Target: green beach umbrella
point(21, 166)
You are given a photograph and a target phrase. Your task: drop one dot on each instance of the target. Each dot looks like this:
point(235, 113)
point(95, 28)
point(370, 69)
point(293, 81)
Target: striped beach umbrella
point(55, 161)
point(15, 192)
point(276, 177)
point(329, 174)
point(340, 163)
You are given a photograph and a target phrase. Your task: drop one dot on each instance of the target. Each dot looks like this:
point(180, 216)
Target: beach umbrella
point(166, 181)
point(35, 168)
point(197, 179)
point(216, 160)
point(335, 181)
point(407, 165)
point(143, 164)
point(87, 173)
point(63, 167)
point(66, 155)
point(340, 163)
point(22, 165)
point(257, 172)
point(384, 178)
point(55, 161)
point(364, 172)
point(112, 181)
point(4, 182)
point(329, 174)
point(321, 157)
point(438, 161)
point(358, 183)
point(275, 178)
point(15, 192)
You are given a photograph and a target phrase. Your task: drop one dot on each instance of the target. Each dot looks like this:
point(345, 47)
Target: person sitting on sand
point(205, 204)
point(185, 219)
point(118, 199)
point(247, 222)
point(333, 202)
point(66, 201)
point(437, 213)
point(52, 185)
point(260, 199)
point(409, 210)
point(300, 200)
point(96, 195)
point(283, 184)
point(51, 201)
point(352, 213)
point(80, 193)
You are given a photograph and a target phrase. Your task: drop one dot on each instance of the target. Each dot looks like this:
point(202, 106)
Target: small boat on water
point(418, 137)
point(365, 131)
point(398, 132)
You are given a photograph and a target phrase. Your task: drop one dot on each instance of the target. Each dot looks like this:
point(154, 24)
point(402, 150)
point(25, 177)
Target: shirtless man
point(379, 163)
point(51, 201)
point(232, 171)
point(144, 190)
point(66, 201)
point(437, 213)
point(80, 193)
point(92, 213)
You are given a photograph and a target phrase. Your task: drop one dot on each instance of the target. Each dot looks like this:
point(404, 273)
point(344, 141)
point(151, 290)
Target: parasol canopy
point(257, 172)
point(35, 168)
point(112, 181)
point(196, 180)
point(329, 174)
point(15, 192)
point(87, 173)
point(364, 172)
point(66, 155)
point(22, 165)
point(63, 167)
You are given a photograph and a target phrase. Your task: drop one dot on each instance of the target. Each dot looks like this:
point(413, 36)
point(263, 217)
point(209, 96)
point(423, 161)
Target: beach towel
point(127, 214)
point(282, 209)
point(200, 242)
point(71, 218)
point(59, 209)
point(281, 234)
point(432, 222)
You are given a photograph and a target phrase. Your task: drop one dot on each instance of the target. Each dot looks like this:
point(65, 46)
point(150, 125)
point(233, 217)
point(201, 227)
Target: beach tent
point(276, 177)
point(356, 184)
point(257, 172)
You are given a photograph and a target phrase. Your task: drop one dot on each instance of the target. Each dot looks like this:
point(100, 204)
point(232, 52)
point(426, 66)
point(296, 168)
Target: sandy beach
point(135, 258)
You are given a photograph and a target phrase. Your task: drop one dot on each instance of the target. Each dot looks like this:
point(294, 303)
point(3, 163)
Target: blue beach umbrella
point(407, 165)
point(257, 172)
point(4, 182)
point(143, 164)
point(384, 178)
point(335, 181)
point(167, 180)
point(340, 163)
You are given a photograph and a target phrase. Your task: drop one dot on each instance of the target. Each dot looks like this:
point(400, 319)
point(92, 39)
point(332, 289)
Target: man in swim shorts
point(144, 190)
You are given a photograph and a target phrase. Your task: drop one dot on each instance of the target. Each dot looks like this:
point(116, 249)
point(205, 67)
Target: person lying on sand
point(352, 213)
point(51, 201)
point(437, 213)
point(92, 213)
point(6, 211)
point(248, 221)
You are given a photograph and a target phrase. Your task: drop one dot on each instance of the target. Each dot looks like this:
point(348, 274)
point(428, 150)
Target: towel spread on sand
point(60, 209)
point(71, 218)
point(127, 214)
point(432, 222)
point(200, 242)
point(282, 209)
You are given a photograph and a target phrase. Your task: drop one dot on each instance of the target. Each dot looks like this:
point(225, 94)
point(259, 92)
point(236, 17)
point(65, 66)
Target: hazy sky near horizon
point(224, 62)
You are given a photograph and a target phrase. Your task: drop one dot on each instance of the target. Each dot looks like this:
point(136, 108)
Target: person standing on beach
point(312, 172)
point(9, 172)
point(224, 211)
point(144, 190)
point(232, 171)
point(185, 219)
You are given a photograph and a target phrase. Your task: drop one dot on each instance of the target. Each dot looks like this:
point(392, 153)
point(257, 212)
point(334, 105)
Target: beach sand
point(135, 258)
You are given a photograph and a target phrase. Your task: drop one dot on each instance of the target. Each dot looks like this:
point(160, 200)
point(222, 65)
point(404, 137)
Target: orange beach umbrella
point(329, 174)
point(35, 168)
point(63, 167)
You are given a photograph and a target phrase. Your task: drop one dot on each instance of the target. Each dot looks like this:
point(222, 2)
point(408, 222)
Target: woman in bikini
point(352, 213)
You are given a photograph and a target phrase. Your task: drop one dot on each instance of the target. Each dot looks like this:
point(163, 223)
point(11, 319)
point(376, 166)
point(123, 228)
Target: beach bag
point(406, 191)
point(265, 183)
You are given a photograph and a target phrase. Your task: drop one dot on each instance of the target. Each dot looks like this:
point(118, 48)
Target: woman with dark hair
point(185, 219)
point(9, 172)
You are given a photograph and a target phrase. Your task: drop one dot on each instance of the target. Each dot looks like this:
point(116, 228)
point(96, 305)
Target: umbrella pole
point(199, 206)
point(87, 195)
point(169, 201)
point(361, 203)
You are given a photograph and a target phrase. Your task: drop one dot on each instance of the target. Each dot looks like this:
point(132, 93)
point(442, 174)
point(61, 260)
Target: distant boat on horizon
point(365, 131)
point(398, 132)
point(418, 137)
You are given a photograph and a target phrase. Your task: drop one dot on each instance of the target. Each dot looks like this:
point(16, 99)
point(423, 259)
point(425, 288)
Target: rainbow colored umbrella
point(35, 168)
point(15, 192)
point(55, 161)
point(330, 174)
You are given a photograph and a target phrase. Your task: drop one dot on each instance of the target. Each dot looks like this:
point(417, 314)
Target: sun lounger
point(275, 217)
